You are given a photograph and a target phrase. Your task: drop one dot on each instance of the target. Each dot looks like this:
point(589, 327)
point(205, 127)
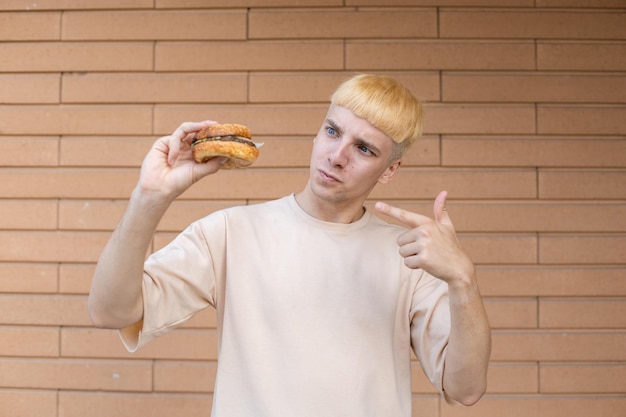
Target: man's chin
point(326, 192)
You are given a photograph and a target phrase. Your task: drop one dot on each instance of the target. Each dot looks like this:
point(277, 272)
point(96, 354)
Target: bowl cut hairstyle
point(386, 104)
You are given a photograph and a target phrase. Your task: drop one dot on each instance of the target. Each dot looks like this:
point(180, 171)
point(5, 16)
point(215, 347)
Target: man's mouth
point(327, 176)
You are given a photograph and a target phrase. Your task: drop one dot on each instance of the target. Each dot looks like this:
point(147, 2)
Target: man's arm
point(469, 347)
point(432, 245)
point(115, 299)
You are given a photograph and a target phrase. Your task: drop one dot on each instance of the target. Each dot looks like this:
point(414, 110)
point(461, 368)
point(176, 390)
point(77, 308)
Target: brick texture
point(525, 127)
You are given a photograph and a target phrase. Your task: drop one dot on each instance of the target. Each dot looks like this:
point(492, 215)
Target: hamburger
point(233, 141)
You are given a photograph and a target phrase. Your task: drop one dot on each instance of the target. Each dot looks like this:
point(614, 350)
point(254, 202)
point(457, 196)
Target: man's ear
point(390, 171)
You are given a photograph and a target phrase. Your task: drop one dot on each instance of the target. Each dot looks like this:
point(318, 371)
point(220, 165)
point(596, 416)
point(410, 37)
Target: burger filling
point(238, 139)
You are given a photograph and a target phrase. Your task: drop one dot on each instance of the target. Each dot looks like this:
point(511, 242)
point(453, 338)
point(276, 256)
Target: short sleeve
point(178, 282)
point(430, 326)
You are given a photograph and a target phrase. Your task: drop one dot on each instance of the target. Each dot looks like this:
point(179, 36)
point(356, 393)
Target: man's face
point(349, 157)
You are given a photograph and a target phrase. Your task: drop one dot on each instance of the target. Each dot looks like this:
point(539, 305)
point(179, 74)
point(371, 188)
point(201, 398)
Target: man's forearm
point(115, 299)
point(469, 348)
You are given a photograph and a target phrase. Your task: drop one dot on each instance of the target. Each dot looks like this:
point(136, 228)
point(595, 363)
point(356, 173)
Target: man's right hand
point(169, 168)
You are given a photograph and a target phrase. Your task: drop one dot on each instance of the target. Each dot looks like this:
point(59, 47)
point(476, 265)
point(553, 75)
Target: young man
point(318, 301)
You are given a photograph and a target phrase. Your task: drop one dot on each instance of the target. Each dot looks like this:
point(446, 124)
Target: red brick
point(466, 3)
point(76, 120)
point(600, 378)
point(77, 404)
point(50, 246)
point(581, 56)
point(558, 345)
point(67, 183)
point(512, 378)
point(585, 120)
point(205, 319)
point(194, 377)
point(104, 151)
point(29, 88)
point(74, 4)
point(28, 214)
point(580, 3)
point(193, 4)
point(419, 382)
point(479, 119)
point(426, 183)
point(541, 87)
point(342, 23)
point(28, 26)
point(439, 55)
point(180, 344)
point(75, 278)
point(76, 56)
point(154, 25)
point(595, 313)
point(511, 313)
point(586, 184)
point(541, 151)
point(250, 183)
point(105, 215)
point(44, 310)
point(536, 216)
point(293, 87)
point(182, 213)
point(425, 405)
point(154, 88)
point(18, 151)
point(424, 152)
point(90, 215)
point(26, 341)
point(76, 374)
point(501, 249)
point(582, 249)
point(295, 119)
point(251, 55)
point(286, 152)
point(531, 24)
point(540, 406)
point(318, 87)
point(28, 278)
point(555, 281)
point(29, 403)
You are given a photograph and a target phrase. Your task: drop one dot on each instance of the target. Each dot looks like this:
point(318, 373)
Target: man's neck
point(329, 211)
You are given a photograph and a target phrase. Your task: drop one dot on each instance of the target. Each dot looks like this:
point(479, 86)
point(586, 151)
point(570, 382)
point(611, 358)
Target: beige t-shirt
point(314, 318)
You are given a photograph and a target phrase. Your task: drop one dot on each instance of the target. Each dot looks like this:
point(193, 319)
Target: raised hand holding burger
point(233, 141)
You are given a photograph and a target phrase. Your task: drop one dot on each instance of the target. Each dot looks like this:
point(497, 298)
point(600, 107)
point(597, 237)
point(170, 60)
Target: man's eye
point(331, 131)
point(365, 149)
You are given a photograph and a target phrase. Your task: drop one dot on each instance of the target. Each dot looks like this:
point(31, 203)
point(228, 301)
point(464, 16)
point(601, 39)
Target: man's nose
point(339, 154)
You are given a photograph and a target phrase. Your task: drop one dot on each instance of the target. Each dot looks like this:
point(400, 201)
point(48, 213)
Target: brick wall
point(526, 125)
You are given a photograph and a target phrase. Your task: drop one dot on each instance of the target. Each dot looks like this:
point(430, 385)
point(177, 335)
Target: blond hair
point(386, 104)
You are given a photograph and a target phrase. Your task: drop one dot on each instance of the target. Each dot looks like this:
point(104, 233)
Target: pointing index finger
point(408, 218)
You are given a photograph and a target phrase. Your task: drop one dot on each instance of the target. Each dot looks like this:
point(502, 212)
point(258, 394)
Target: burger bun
point(231, 141)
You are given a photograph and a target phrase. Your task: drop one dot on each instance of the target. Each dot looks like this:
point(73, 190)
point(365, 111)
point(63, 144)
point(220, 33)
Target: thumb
point(439, 209)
